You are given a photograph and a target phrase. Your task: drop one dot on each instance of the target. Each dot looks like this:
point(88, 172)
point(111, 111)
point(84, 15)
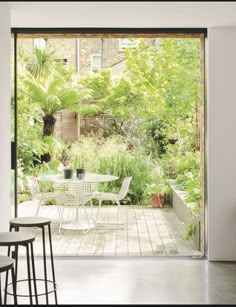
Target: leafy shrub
point(158, 184)
point(22, 197)
point(124, 165)
point(156, 131)
point(188, 179)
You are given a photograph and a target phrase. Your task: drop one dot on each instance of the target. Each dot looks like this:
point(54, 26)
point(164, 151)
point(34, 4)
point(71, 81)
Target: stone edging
point(182, 210)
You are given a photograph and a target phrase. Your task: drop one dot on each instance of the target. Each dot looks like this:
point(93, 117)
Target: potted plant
point(79, 166)
point(68, 172)
point(157, 192)
point(172, 139)
point(172, 134)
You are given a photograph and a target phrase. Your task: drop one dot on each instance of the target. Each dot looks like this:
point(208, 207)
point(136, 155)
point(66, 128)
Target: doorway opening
point(124, 103)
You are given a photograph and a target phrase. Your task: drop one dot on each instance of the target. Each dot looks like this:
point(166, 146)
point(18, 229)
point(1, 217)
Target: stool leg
point(13, 277)
point(6, 281)
point(16, 264)
point(52, 262)
point(29, 275)
point(33, 271)
point(16, 254)
point(45, 264)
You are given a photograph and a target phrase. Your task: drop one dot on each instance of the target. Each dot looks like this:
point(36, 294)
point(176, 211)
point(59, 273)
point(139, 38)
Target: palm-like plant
point(41, 63)
point(49, 84)
point(52, 94)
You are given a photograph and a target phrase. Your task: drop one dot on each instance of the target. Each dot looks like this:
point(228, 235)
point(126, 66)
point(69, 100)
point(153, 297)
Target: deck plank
point(145, 231)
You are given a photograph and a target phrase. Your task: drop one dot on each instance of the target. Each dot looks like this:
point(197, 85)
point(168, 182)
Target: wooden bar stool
point(39, 222)
point(7, 264)
point(16, 239)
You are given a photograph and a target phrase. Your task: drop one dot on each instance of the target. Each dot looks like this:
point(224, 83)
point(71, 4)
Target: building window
point(127, 43)
point(96, 62)
point(40, 43)
point(64, 61)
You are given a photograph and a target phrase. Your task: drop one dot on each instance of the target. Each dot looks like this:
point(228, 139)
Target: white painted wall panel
point(222, 143)
point(5, 145)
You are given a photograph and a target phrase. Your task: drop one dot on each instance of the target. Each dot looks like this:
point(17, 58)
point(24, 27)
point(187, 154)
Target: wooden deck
point(148, 232)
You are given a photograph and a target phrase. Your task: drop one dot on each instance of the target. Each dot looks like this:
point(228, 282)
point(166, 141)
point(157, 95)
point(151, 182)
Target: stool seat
point(6, 263)
point(30, 221)
point(16, 238)
point(42, 223)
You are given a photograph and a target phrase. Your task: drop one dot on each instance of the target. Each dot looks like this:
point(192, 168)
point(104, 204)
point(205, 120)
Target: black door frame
point(106, 31)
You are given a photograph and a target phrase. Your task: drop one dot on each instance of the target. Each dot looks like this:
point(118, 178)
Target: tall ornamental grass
point(122, 164)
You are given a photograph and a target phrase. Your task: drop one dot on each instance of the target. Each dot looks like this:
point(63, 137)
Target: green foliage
point(158, 184)
point(111, 156)
point(189, 228)
point(52, 94)
point(94, 88)
point(167, 80)
point(188, 179)
point(124, 165)
point(22, 197)
point(41, 64)
point(155, 97)
point(31, 144)
point(97, 85)
point(44, 87)
point(122, 100)
point(156, 131)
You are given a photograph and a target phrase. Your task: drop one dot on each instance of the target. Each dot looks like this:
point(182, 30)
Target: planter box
point(183, 212)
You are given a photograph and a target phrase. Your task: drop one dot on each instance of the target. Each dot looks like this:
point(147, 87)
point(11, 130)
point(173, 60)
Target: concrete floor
point(146, 280)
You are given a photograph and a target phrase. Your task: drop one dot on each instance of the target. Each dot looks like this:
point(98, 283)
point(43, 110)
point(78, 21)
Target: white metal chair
point(36, 194)
point(100, 196)
point(73, 195)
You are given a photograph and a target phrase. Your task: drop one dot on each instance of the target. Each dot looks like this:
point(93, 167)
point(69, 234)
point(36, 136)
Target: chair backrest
point(34, 187)
point(80, 188)
point(124, 188)
point(74, 193)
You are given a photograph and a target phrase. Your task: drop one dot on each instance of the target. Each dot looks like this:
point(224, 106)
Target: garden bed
point(182, 209)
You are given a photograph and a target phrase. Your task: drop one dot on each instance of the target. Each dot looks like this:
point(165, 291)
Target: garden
point(154, 135)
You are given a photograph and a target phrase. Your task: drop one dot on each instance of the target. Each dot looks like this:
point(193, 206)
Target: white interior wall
point(5, 145)
point(123, 14)
point(221, 101)
point(221, 143)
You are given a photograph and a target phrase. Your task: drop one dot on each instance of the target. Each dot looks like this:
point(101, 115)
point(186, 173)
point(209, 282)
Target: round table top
point(15, 238)
point(88, 178)
point(6, 263)
point(30, 221)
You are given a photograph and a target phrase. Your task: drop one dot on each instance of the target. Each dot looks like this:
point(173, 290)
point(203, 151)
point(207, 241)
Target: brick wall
point(27, 44)
point(66, 48)
point(87, 47)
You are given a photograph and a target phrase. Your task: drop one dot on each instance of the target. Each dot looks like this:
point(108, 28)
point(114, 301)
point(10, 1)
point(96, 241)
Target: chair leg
point(119, 210)
point(37, 211)
point(91, 205)
point(89, 228)
point(98, 212)
point(60, 211)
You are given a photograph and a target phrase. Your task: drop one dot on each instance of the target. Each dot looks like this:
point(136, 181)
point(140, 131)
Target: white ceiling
point(123, 14)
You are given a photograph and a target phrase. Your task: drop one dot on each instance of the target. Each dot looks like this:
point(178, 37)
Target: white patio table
point(74, 193)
